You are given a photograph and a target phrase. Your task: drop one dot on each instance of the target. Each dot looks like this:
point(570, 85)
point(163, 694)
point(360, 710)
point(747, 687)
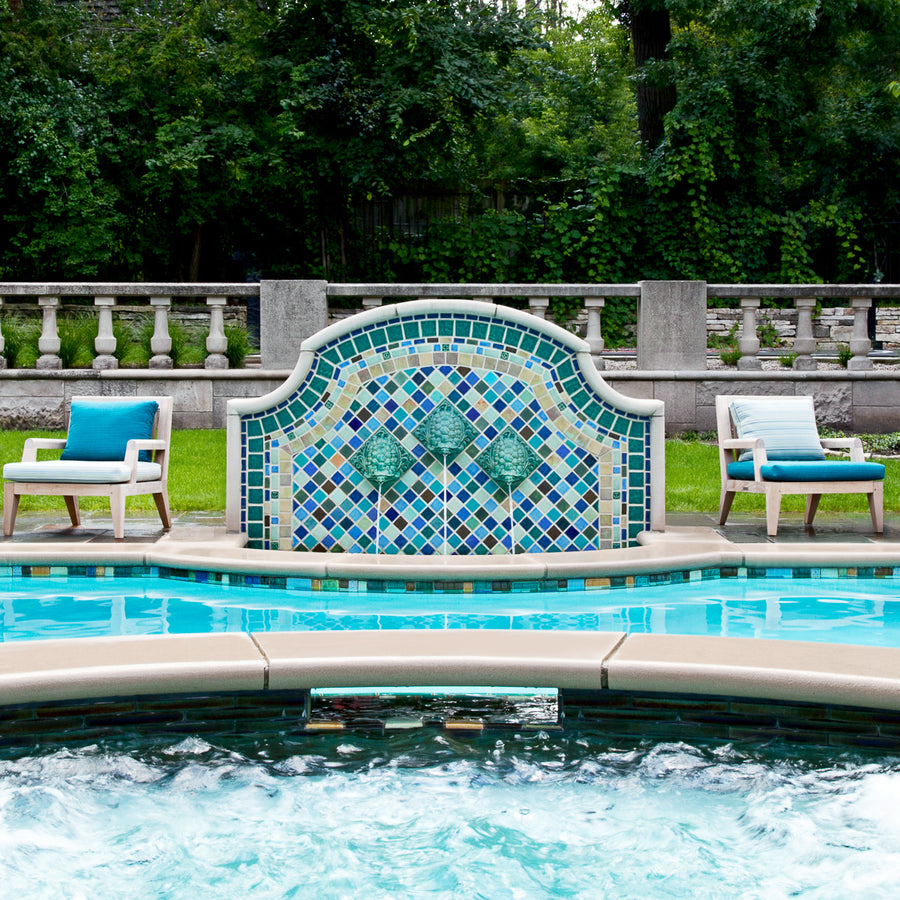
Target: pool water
point(525, 816)
point(840, 610)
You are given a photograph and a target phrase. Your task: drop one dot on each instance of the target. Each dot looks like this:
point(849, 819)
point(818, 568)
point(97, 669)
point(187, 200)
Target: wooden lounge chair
point(771, 446)
point(116, 448)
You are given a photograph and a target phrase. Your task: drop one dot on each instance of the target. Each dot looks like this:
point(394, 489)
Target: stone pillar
point(216, 342)
point(289, 312)
point(804, 342)
point(2, 341)
point(594, 335)
point(860, 345)
point(105, 342)
point(48, 342)
point(748, 342)
point(161, 343)
point(539, 306)
point(672, 325)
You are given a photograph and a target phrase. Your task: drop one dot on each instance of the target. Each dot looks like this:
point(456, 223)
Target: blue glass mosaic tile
point(588, 489)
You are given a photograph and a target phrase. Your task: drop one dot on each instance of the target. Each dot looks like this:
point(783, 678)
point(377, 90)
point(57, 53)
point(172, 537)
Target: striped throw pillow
point(786, 424)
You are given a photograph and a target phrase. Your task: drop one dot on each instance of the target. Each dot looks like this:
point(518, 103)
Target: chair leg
point(74, 512)
point(10, 508)
point(812, 504)
point(117, 511)
point(162, 504)
point(725, 501)
point(773, 509)
point(876, 508)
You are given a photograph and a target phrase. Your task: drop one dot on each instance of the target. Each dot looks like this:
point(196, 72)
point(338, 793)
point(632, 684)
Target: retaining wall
point(862, 402)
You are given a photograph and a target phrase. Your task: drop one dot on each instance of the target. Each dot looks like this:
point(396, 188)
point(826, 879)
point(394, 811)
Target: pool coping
point(847, 675)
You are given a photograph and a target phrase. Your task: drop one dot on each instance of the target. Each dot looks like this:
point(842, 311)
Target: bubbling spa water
point(424, 814)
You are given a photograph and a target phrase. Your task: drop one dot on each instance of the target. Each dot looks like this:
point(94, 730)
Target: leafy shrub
point(238, 345)
point(188, 348)
point(20, 343)
point(76, 341)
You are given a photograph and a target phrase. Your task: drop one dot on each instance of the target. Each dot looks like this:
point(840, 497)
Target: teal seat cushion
point(787, 425)
point(827, 470)
point(99, 430)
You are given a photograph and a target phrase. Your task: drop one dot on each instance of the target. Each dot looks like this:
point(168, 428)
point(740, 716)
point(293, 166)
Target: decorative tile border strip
point(494, 586)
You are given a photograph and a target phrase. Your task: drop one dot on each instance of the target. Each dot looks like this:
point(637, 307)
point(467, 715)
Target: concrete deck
point(783, 670)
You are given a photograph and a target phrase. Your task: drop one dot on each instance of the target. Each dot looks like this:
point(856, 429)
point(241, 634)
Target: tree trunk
point(196, 241)
point(651, 30)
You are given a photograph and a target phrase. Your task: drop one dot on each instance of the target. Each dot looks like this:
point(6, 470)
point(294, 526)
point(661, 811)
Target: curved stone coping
point(746, 667)
point(677, 549)
point(40, 671)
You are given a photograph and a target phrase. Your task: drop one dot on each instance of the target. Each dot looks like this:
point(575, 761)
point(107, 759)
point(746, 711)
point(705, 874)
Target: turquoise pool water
point(424, 815)
point(840, 610)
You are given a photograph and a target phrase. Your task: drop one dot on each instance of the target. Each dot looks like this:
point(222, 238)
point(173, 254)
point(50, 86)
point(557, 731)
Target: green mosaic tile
point(339, 511)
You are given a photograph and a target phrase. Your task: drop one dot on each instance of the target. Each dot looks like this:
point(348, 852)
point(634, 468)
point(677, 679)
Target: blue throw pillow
point(99, 430)
point(786, 424)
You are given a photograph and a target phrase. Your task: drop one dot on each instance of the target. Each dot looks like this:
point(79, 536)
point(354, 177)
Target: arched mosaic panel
point(444, 427)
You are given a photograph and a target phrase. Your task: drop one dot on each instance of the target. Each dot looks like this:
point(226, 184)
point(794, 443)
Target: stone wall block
point(833, 401)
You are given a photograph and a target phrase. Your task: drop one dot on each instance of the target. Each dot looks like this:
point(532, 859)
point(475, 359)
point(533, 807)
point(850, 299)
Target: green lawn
point(197, 478)
point(196, 472)
point(693, 484)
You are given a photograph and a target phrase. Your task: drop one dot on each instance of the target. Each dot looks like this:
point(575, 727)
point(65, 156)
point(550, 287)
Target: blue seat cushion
point(827, 470)
point(787, 425)
point(99, 430)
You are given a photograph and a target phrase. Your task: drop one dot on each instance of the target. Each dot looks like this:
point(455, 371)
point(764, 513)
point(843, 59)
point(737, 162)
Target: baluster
point(748, 342)
point(48, 342)
point(105, 342)
point(860, 345)
point(371, 302)
point(2, 340)
point(217, 342)
point(161, 343)
point(804, 342)
point(594, 335)
point(539, 306)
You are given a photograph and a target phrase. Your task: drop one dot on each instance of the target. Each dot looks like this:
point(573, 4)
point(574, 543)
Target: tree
point(650, 31)
point(60, 212)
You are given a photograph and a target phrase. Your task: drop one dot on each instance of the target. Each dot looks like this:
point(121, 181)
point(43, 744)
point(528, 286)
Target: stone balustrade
point(110, 300)
point(674, 319)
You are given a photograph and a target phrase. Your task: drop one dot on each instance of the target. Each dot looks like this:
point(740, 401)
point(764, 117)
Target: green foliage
point(193, 139)
point(20, 343)
point(845, 354)
point(76, 341)
point(238, 345)
point(188, 345)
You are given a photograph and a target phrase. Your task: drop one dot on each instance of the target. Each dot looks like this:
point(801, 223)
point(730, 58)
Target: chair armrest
point(853, 444)
point(757, 445)
point(32, 445)
point(134, 447)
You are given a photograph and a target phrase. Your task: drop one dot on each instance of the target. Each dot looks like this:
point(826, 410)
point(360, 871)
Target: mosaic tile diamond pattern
point(472, 378)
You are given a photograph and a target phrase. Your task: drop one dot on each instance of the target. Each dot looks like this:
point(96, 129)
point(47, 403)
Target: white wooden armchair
point(116, 447)
point(771, 446)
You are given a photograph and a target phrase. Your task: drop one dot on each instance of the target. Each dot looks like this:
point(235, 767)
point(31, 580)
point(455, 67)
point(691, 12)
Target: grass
point(692, 485)
point(197, 478)
point(196, 473)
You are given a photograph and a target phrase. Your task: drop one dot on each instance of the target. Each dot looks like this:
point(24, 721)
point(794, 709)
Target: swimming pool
point(526, 815)
point(823, 609)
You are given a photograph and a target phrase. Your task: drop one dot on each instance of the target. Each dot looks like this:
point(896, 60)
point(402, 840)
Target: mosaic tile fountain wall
point(443, 427)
